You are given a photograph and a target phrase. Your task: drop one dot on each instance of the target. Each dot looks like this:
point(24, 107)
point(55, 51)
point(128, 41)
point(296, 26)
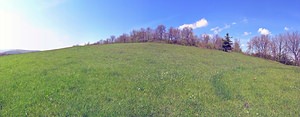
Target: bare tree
point(142, 35)
point(112, 38)
point(124, 38)
point(217, 42)
point(160, 32)
point(278, 47)
point(237, 46)
point(205, 38)
point(174, 35)
point(299, 60)
point(134, 36)
point(187, 37)
point(273, 50)
point(293, 45)
point(149, 34)
point(259, 46)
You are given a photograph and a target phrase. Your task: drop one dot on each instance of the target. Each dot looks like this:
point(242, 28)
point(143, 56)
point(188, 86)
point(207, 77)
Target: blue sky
point(51, 24)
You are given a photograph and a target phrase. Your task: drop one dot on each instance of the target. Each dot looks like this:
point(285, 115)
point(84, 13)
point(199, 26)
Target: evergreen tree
point(227, 43)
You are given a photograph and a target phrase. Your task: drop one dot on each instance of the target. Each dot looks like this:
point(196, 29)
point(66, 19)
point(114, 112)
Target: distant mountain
point(1, 51)
point(16, 51)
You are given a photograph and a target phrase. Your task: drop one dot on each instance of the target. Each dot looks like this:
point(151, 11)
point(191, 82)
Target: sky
point(53, 24)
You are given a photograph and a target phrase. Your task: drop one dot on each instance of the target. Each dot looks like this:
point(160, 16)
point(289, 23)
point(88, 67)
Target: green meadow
point(146, 79)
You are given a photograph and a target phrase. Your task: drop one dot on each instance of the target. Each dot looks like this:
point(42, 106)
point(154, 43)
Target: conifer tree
point(227, 43)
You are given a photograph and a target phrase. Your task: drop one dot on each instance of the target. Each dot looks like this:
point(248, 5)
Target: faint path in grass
point(220, 87)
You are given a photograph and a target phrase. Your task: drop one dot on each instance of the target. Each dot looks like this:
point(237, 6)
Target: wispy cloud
point(286, 28)
point(247, 33)
point(217, 29)
point(199, 24)
point(226, 26)
point(233, 23)
point(263, 31)
point(244, 20)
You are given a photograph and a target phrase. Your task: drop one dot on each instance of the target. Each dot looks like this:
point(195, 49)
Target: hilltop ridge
point(146, 79)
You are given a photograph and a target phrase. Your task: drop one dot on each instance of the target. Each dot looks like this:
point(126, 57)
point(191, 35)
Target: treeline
point(171, 35)
point(284, 48)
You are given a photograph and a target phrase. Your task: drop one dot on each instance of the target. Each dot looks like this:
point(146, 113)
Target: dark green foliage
point(227, 43)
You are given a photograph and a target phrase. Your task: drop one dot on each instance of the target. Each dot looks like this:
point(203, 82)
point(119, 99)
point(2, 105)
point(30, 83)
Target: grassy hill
point(146, 79)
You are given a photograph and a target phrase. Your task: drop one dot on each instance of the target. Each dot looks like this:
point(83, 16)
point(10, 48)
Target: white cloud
point(286, 28)
point(233, 23)
point(199, 24)
point(217, 29)
point(245, 20)
point(247, 33)
point(226, 26)
point(17, 32)
point(264, 31)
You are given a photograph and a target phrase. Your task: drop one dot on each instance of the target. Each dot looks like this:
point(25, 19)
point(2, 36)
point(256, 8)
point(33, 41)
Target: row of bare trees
point(284, 48)
point(171, 35)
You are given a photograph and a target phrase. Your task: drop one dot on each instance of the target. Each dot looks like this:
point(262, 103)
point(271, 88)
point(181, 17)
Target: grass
point(146, 79)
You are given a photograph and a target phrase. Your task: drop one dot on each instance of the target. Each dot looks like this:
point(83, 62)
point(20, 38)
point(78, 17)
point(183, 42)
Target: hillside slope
point(17, 51)
point(146, 79)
